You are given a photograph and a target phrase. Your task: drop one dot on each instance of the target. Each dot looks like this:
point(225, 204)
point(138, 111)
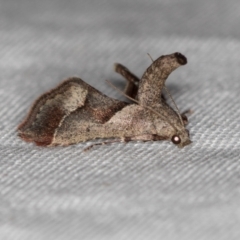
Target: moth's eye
point(176, 139)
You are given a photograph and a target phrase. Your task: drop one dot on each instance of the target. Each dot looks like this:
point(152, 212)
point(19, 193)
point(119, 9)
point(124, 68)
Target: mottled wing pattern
point(49, 110)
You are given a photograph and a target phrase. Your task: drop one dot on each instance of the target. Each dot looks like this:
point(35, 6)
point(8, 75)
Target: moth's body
point(133, 123)
point(76, 112)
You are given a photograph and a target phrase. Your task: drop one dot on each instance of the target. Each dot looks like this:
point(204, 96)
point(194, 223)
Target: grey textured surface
point(123, 191)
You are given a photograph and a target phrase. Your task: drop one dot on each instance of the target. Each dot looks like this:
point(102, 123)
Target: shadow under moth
point(76, 112)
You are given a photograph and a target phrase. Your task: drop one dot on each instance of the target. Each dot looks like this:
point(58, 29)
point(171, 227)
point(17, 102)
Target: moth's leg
point(101, 143)
point(145, 138)
point(131, 87)
point(184, 117)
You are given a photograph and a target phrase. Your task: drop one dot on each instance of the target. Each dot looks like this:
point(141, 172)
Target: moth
point(76, 112)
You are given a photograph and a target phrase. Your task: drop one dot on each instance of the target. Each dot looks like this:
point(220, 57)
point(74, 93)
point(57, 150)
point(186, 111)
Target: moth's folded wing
point(88, 122)
point(72, 100)
point(49, 110)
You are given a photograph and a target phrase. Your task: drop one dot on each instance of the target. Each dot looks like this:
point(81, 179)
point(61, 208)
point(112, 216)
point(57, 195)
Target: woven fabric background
point(137, 190)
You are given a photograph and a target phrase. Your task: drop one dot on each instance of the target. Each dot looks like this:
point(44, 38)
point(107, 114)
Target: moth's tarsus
point(188, 112)
point(184, 119)
point(76, 112)
point(101, 143)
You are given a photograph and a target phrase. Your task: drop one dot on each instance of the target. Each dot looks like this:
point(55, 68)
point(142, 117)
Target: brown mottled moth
point(76, 112)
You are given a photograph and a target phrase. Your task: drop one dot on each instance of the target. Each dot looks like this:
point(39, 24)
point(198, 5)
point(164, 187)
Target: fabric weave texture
point(137, 190)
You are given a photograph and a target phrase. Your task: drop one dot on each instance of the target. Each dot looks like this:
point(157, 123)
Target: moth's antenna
point(134, 100)
point(150, 56)
point(177, 110)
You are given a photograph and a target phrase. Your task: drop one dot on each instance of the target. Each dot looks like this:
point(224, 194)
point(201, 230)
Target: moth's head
point(181, 138)
point(168, 63)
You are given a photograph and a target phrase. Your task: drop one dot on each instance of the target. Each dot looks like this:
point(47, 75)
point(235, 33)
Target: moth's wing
point(131, 87)
point(49, 110)
point(99, 107)
point(133, 120)
point(124, 121)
